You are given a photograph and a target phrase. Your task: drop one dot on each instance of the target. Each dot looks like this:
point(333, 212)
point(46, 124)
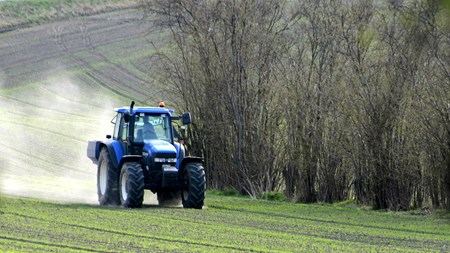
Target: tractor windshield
point(152, 126)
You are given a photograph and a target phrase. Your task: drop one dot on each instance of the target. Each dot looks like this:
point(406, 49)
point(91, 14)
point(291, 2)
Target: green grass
point(226, 224)
point(31, 12)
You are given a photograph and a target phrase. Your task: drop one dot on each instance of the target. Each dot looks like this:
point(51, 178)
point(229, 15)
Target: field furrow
point(47, 245)
point(109, 229)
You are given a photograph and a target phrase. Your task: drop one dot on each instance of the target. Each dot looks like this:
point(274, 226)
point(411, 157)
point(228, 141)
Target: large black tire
point(193, 195)
point(131, 185)
point(169, 198)
point(107, 180)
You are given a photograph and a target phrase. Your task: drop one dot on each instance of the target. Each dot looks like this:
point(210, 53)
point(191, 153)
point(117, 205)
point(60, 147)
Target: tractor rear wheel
point(193, 193)
point(107, 180)
point(131, 185)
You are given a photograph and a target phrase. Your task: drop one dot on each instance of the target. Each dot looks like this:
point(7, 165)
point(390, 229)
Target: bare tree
point(312, 80)
point(326, 100)
point(224, 60)
point(431, 19)
point(385, 52)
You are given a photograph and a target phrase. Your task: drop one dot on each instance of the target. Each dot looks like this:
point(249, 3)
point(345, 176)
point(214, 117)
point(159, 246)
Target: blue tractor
point(142, 154)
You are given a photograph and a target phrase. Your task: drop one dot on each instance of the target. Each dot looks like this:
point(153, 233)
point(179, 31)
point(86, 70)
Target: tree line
point(321, 100)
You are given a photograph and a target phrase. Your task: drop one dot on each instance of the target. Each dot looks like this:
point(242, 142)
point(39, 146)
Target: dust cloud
point(44, 134)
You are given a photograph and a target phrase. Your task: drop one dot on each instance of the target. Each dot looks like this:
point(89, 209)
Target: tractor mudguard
point(130, 158)
point(189, 159)
point(114, 150)
point(181, 153)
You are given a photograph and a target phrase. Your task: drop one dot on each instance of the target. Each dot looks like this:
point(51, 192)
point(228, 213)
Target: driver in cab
point(148, 130)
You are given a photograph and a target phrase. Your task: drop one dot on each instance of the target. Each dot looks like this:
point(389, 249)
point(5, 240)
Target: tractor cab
point(141, 127)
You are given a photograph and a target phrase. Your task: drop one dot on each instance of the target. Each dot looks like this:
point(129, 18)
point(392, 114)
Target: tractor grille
point(170, 179)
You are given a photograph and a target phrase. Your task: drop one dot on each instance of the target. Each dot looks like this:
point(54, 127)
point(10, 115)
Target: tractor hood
point(159, 147)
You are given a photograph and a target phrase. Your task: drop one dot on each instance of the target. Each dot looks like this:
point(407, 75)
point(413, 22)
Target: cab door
point(120, 132)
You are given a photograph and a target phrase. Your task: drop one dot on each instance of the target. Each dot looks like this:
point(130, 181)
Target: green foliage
point(227, 192)
point(274, 196)
point(367, 37)
point(230, 192)
point(346, 203)
point(214, 193)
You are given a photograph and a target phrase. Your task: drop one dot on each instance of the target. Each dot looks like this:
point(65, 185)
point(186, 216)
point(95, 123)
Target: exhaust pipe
point(131, 107)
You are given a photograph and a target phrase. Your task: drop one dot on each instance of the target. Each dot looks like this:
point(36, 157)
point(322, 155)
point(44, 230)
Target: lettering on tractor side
point(142, 154)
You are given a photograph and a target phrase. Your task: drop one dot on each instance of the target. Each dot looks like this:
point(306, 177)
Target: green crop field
point(226, 224)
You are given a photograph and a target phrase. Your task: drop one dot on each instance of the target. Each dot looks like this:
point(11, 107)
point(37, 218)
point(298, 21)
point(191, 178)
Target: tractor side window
point(124, 130)
point(116, 122)
point(138, 128)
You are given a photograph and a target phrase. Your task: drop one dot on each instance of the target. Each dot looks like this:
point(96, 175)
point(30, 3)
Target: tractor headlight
point(160, 160)
point(165, 160)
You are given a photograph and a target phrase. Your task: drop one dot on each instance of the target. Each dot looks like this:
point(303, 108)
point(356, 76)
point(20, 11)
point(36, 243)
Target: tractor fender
point(114, 151)
point(130, 158)
point(189, 159)
point(181, 153)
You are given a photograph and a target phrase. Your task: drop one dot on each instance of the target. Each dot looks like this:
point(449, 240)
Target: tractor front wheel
point(107, 180)
point(193, 194)
point(131, 185)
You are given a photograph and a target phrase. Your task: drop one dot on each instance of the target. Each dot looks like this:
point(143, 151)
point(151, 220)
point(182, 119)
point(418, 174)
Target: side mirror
point(186, 118)
point(126, 117)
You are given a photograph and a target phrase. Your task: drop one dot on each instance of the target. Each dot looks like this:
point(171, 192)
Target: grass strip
point(24, 13)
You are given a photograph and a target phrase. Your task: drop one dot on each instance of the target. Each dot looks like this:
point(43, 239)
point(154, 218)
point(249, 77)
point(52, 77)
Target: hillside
point(59, 84)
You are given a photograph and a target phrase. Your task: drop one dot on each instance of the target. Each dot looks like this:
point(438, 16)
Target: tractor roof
point(158, 110)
